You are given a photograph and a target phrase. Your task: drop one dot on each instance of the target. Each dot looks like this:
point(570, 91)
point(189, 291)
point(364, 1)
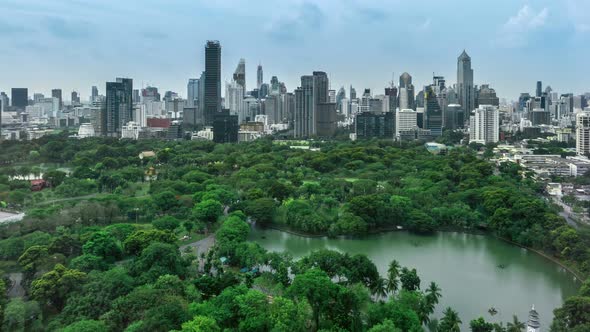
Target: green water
point(465, 267)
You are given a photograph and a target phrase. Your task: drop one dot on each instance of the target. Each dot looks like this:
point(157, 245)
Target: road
point(567, 212)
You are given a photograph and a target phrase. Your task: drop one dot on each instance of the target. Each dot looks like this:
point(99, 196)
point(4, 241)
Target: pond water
point(465, 266)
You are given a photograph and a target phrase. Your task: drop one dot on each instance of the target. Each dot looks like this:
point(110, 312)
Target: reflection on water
point(475, 272)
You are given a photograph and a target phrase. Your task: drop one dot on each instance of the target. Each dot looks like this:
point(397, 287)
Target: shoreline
point(554, 260)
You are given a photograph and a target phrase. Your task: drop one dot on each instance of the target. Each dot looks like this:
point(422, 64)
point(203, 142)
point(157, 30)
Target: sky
point(74, 44)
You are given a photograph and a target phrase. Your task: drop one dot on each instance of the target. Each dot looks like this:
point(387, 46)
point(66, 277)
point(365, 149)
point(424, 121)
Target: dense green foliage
point(99, 250)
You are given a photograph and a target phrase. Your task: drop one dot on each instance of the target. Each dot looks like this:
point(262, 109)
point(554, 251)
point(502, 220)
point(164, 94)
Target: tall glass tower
point(212, 86)
point(465, 82)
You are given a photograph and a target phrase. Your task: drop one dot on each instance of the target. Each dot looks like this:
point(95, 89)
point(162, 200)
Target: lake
point(465, 266)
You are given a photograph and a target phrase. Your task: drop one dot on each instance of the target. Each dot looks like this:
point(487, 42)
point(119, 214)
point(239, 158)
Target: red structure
point(38, 185)
point(158, 123)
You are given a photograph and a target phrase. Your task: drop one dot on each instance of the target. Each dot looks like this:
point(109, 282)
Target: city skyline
point(511, 54)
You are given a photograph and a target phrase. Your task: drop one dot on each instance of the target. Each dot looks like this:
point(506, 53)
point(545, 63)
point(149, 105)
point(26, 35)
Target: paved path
point(200, 247)
point(16, 290)
point(6, 217)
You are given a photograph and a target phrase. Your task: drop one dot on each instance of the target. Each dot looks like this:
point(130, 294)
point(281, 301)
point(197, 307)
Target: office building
point(240, 75)
point(433, 117)
point(75, 98)
point(540, 116)
point(539, 89)
point(465, 88)
point(259, 77)
point(314, 114)
point(56, 93)
point(119, 106)
point(150, 93)
point(487, 96)
point(212, 86)
point(94, 94)
point(406, 119)
point(225, 127)
point(454, 117)
point(20, 98)
point(192, 92)
point(369, 125)
point(583, 133)
point(406, 92)
point(484, 125)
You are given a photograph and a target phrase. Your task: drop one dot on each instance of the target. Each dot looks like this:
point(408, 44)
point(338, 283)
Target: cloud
point(307, 18)
point(425, 25)
point(579, 14)
point(518, 28)
point(63, 29)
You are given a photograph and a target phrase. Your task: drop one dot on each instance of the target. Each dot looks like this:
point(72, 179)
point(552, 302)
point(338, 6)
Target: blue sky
point(74, 44)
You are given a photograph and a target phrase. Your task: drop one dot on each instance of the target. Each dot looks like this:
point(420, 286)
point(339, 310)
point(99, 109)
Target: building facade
point(212, 86)
point(484, 125)
point(465, 82)
point(583, 133)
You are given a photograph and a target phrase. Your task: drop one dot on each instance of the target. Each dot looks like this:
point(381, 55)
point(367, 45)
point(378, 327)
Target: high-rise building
point(240, 75)
point(4, 102)
point(352, 93)
point(484, 125)
point(487, 96)
point(20, 98)
point(193, 92)
point(369, 125)
point(454, 117)
point(225, 127)
point(212, 86)
point(75, 98)
point(94, 94)
point(56, 93)
point(465, 88)
point(539, 89)
point(119, 106)
point(305, 108)
point(406, 92)
point(234, 97)
point(150, 93)
point(136, 98)
point(332, 96)
point(583, 133)
point(433, 117)
point(406, 119)
point(391, 96)
point(339, 96)
point(259, 77)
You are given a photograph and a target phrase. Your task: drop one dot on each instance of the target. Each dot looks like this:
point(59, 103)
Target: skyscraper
point(259, 77)
point(487, 96)
point(539, 89)
point(240, 74)
point(433, 117)
point(20, 98)
point(119, 106)
point(75, 98)
point(56, 93)
point(305, 108)
point(583, 133)
point(484, 125)
point(192, 92)
point(212, 98)
point(406, 92)
point(94, 94)
point(465, 82)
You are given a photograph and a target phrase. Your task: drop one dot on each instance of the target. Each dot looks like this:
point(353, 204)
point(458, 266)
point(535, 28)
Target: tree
point(166, 201)
point(261, 210)
point(393, 273)
point(480, 325)
point(54, 177)
point(574, 313)
point(156, 260)
point(87, 263)
point(54, 286)
point(286, 315)
point(253, 311)
point(515, 325)
point(450, 321)
point(316, 287)
point(409, 279)
point(103, 245)
point(432, 295)
point(141, 239)
point(386, 326)
point(86, 326)
point(166, 223)
point(22, 316)
point(200, 324)
point(207, 211)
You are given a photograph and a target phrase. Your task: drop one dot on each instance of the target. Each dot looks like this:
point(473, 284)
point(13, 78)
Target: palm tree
point(515, 325)
point(433, 293)
point(393, 276)
point(378, 288)
point(450, 321)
